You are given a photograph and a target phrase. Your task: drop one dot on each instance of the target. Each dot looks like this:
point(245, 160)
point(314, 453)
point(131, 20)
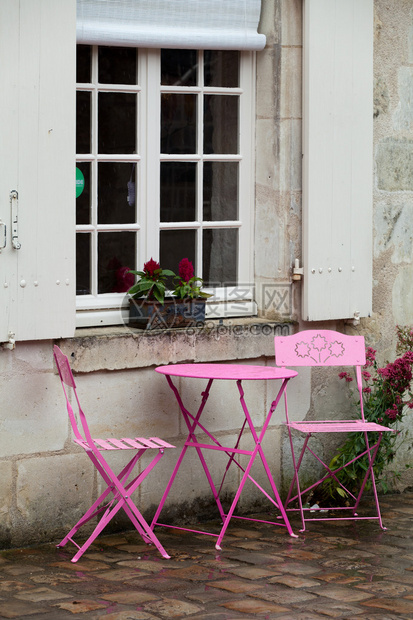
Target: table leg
point(192, 423)
point(258, 450)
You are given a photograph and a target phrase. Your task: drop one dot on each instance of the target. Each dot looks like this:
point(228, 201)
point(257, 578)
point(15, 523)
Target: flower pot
point(149, 314)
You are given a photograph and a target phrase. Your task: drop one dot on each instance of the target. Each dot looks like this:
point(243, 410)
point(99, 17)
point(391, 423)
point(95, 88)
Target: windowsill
point(121, 347)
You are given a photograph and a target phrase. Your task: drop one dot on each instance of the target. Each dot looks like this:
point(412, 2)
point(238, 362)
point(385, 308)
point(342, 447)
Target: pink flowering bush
point(387, 396)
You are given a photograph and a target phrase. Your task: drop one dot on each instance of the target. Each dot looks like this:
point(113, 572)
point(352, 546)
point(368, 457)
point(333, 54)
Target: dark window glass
point(176, 245)
point(179, 67)
point(83, 112)
point(178, 191)
point(220, 191)
point(220, 124)
point(220, 252)
point(83, 66)
point(221, 68)
point(178, 123)
point(83, 200)
point(117, 65)
point(116, 254)
point(116, 197)
point(83, 284)
point(117, 123)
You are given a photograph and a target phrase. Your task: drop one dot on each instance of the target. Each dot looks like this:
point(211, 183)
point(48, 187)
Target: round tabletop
point(226, 371)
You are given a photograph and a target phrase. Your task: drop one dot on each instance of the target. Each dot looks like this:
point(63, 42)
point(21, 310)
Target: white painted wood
point(337, 159)
point(9, 48)
point(38, 101)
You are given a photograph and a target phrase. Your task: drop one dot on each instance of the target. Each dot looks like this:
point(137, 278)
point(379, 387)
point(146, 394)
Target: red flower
point(392, 413)
point(186, 270)
point(150, 267)
point(370, 356)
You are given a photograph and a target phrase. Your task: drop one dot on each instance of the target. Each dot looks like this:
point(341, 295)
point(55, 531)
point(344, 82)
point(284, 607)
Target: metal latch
point(14, 200)
point(3, 238)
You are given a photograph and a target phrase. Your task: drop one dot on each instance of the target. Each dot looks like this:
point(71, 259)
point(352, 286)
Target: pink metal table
point(229, 372)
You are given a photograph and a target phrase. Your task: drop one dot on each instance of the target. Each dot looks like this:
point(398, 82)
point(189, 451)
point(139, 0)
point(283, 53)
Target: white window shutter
point(37, 160)
point(337, 159)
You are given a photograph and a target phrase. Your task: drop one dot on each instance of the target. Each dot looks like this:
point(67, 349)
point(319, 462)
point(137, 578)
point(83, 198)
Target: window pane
point(179, 67)
point(178, 123)
point(176, 245)
point(83, 284)
point(220, 191)
point(220, 251)
point(178, 191)
point(117, 123)
point(117, 65)
point(116, 195)
point(83, 109)
point(221, 68)
point(221, 124)
point(83, 199)
point(83, 56)
point(116, 254)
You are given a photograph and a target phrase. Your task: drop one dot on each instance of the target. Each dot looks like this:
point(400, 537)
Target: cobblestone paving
point(348, 570)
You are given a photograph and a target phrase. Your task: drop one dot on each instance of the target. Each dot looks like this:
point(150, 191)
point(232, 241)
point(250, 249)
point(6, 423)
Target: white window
point(165, 170)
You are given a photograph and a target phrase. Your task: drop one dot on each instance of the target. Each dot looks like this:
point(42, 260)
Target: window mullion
point(200, 165)
point(94, 148)
point(153, 140)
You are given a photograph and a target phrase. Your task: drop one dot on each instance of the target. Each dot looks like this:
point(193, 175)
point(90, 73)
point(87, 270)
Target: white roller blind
point(183, 24)
point(337, 159)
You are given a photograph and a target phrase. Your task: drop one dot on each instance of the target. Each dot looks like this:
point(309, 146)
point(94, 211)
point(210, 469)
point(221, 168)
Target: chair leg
point(121, 499)
point(371, 455)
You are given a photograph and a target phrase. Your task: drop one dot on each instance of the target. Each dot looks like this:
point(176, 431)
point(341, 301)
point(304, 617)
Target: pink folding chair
point(328, 348)
point(120, 487)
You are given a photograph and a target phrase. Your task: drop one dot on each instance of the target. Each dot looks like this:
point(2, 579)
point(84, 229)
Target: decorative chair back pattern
point(323, 348)
point(320, 348)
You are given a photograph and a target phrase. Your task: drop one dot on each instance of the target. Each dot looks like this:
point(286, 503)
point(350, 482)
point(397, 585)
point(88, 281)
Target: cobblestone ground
point(350, 570)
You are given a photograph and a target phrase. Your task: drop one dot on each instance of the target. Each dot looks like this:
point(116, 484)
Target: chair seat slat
point(341, 426)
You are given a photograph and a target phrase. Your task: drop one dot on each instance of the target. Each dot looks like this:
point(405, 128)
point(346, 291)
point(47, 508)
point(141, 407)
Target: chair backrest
point(319, 348)
point(322, 348)
point(68, 381)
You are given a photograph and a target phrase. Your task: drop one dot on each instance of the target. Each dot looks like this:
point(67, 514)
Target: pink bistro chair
point(328, 348)
point(118, 490)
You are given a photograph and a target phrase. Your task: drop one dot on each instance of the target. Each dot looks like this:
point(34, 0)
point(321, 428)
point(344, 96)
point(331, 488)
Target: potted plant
point(190, 300)
point(150, 308)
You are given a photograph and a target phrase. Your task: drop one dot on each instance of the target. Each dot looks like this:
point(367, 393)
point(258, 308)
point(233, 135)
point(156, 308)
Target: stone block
point(6, 491)
point(33, 414)
point(291, 83)
point(268, 72)
point(266, 162)
point(394, 161)
point(291, 22)
point(290, 154)
point(26, 358)
point(53, 493)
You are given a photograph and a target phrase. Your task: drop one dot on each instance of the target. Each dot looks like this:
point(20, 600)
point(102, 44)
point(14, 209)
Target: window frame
point(112, 308)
